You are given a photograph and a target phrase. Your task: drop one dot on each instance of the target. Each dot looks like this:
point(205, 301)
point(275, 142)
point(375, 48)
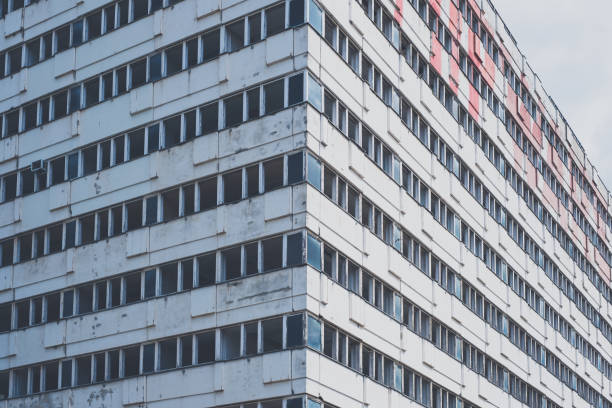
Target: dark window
point(25, 248)
point(273, 174)
point(230, 342)
point(123, 11)
point(187, 278)
point(230, 263)
point(274, 94)
point(119, 143)
point(12, 123)
point(169, 278)
point(55, 238)
point(68, 307)
point(190, 125)
point(150, 284)
point(295, 168)
point(296, 89)
point(109, 14)
point(136, 143)
point(151, 212)
point(92, 91)
point(210, 118)
point(192, 52)
point(167, 354)
point(139, 73)
point(107, 86)
point(94, 25)
point(32, 52)
point(233, 110)
point(60, 104)
point(115, 292)
point(121, 80)
point(87, 229)
point(131, 361)
point(172, 131)
point(134, 215)
point(148, 358)
point(44, 111)
point(250, 332)
point(101, 295)
point(117, 220)
point(10, 187)
point(155, 67)
point(296, 12)
point(62, 39)
point(211, 44)
point(253, 103)
point(252, 174)
point(234, 36)
point(140, 8)
point(295, 330)
point(73, 165)
point(113, 364)
point(90, 160)
point(189, 199)
point(23, 314)
point(156, 5)
point(103, 224)
point(170, 200)
point(206, 347)
point(99, 367)
point(132, 288)
point(275, 19)
point(294, 249)
point(208, 193)
point(206, 269)
point(272, 251)
point(51, 374)
point(83, 368)
point(6, 256)
point(5, 317)
point(27, 182)
point(254, 28)
point(77, 33)
point(53, 307)
point(272, 337)
point(232, 186)
point(174, 59)
point(57, 170)
point(75, 98)
point(37, 310)
point(153, 138)
point(47, 46)
point(251, 253)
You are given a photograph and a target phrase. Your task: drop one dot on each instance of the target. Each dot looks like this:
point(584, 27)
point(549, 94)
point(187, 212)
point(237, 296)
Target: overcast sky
point(567, 44)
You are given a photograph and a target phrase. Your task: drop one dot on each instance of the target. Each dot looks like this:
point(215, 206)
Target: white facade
point(290, 204)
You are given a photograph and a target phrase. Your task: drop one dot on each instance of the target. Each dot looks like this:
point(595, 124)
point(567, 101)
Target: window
point(233, 110)
point(316, 16)
point(150, 284)
point(107, 86)
point(254, 28)
point(123, 12)
point(296, 89)
point(51, 373)
point(272, 251)
point(253, 103)
point(138, 71)
point(314, 92)
point(167, 354)
point(208, 193)
point(121, 80)
point(32, 52)
point(87, 229)
point(119, 147)
point(295, 168)
point(186, 346)
point(210, 118)
point(174, 59)
point(99, 367)
point(314, 252)
point(94, 25)
point(272, 337)
point(131, 361)
point(155, 72)
point(170, 201)
point(85, 299)
point(190, 125)
point(234, 33)
point(273, 174)
point(211, 44)
point(90, 160)
point(60, 105)
point(62, 39)
point(66, 373)
point(252, 174)
point(314, 332)
point(232, 186)
point(77, 33)
point(172, 131)
point(314, 172)
point(353, 57)
point(294, 249)
point(251, 253)
point(25, 248)
point(109, 18)
point(148, 358)
point(275, 19)
point(231, 263)
point(136, 143)
point(206, 269)
point(250, 340)
point(169, 278)
point(331, 32)
point(296, 12)
point(295, 330)
point(132, 288)
point(83, 370)
point(189, 199)
point(134, 215)
point(55, 238)
point(140, 8)
point(230, 343)
point(206, 347)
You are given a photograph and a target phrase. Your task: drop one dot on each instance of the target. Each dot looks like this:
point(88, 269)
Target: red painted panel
point(474, 106)
point(436, 54)
point(399, 11)
point(454, 75)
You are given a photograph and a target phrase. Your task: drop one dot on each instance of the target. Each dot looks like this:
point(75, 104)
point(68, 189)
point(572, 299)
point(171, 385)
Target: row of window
point(384, 158)
point(392, 97)
point(179, 201)
point(79, 31)
point(393, 235)
point(221, 344)
point(391, 164)
point(206, 269)
point(260, 100)
point(175, 58)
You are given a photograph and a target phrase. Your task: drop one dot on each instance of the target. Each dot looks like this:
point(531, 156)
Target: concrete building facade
point(292, 203)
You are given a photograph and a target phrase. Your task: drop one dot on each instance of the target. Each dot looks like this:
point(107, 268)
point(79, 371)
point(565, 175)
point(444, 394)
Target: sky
point(566, 42)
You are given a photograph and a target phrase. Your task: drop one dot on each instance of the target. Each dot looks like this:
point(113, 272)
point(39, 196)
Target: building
point(290, 203)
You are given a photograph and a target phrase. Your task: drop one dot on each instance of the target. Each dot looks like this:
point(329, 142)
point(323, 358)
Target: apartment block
point(292, 204)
